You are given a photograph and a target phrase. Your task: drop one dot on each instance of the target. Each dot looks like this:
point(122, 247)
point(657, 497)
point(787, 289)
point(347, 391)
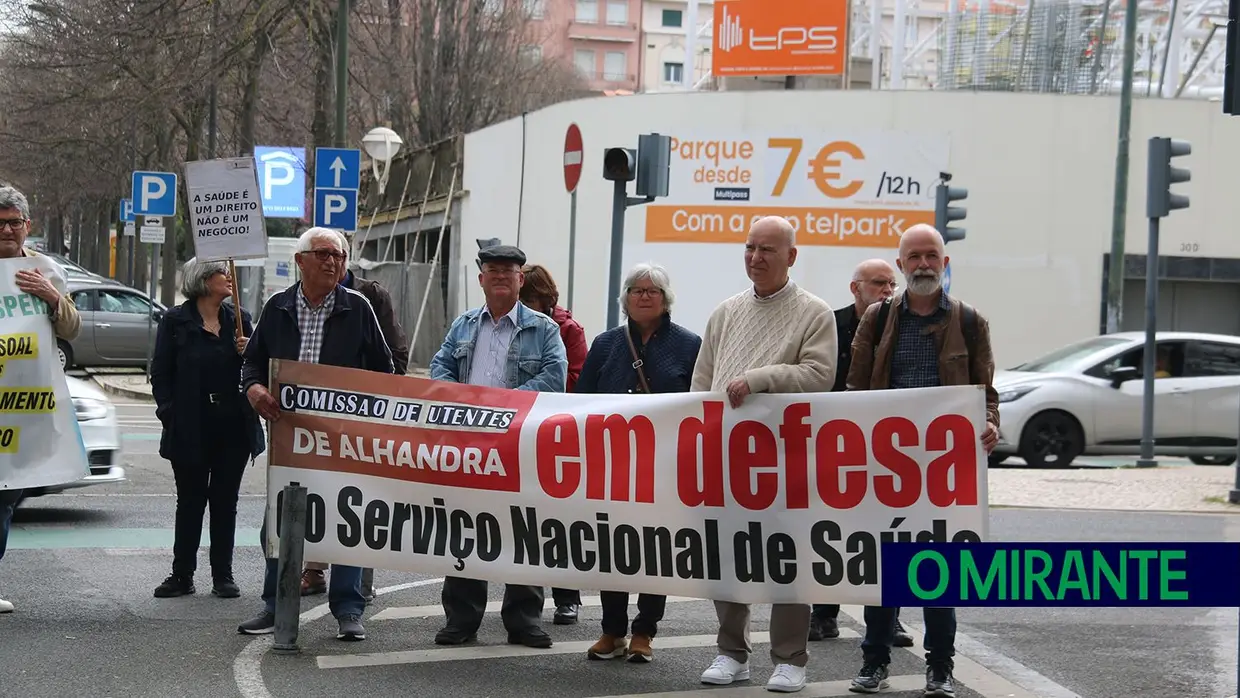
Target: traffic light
point(654, 160)
point(1159, 199)
point(1231, 76)
point(620, 164)
point(944, 213)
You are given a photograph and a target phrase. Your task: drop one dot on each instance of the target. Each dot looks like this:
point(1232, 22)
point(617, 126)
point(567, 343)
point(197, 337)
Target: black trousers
point(650, 609)
point(826, 610)
point(213, 485)
point(565, 597)
point(465, 602)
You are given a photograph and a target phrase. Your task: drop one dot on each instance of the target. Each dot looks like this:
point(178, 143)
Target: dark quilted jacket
point(668, 360)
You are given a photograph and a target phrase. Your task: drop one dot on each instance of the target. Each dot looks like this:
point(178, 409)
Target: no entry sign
point(573, 154)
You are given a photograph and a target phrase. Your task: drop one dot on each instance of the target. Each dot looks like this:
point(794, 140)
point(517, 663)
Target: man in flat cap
point(502, 344)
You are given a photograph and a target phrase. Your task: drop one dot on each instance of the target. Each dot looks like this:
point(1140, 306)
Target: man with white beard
point(920, 338)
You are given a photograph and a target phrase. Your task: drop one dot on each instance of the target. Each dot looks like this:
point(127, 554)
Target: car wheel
point(994, 460)
point(65, 353)
point(1213, 460)
point(1052, 439)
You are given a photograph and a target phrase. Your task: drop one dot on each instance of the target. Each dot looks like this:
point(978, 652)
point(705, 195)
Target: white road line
point(248, 666)
point(406, 612)
point(822, 689)
point(973, 675)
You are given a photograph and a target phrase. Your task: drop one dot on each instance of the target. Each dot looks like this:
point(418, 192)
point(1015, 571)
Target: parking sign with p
point(154, 193)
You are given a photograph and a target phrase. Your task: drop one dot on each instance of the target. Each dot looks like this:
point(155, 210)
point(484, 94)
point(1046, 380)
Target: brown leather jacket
point(871, 370)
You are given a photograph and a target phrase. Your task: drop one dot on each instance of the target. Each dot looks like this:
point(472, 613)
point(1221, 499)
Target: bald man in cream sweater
point(772, 338)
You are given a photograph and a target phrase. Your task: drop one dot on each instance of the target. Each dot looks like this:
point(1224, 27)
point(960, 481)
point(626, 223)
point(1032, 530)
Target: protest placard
point(225, 210)
point(786, 499)
point(40, 443)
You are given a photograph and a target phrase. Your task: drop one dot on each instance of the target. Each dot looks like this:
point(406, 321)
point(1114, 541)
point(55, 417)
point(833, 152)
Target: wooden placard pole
point(236, 294)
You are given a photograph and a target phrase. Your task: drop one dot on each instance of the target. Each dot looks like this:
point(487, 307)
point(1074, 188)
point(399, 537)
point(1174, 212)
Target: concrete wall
point(1039, 169)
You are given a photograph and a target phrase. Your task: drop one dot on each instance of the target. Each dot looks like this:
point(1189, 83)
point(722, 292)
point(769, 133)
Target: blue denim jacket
point(536, 357)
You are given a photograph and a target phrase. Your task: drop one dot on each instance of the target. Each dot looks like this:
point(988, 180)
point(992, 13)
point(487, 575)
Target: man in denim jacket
point(502, 344)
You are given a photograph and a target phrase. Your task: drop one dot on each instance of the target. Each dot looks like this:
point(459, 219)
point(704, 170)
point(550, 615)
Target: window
point(535, 9)
point(1168, 362)
point(617, 11)
point(674, 73)
point(1212, 359)
point(614, 64)
point(587, 11)
point(531, 53)
point(584, 60)
point(673, 18)
point(82, 300)
point(122, 302)
point(1065, 358)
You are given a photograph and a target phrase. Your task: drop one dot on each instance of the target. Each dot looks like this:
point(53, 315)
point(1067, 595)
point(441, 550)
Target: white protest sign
point(40, 443)
point(225, 209)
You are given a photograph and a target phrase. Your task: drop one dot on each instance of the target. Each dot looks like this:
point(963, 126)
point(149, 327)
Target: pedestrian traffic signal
point(944, 213)
point(1160, 201)
point(620, 164)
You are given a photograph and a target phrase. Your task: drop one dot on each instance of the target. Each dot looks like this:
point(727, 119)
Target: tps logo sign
point(789, 37)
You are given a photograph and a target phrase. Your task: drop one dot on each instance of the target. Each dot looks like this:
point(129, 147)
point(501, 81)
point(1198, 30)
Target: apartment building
point(665, 32)
point(601, 38)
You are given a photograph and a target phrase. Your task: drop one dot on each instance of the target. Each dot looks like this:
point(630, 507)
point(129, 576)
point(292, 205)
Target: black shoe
point(262, 624)
point(532, 636)
point(566, 614)
point(823, 629)
point(871, 679)
point(455, 636)
point(900, 637)
point(175, 585)
point(351, 629)
point(225, 588)
point(939, 681)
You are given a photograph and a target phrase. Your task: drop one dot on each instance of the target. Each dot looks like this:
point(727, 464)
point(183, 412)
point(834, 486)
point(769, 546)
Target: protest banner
point(40, 443)
point(786, 499)
point(225, 210)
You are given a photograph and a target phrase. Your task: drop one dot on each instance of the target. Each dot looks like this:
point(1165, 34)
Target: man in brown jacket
point(921, 338)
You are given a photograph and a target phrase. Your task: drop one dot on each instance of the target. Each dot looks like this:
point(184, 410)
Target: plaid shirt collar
point(945, 302)
point(329, 301)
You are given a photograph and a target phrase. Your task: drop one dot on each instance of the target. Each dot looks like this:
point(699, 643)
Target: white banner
point(786, 499)
point(40, 443)
point(225, 209)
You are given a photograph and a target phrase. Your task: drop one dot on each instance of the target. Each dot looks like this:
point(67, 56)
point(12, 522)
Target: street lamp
point(381, 145)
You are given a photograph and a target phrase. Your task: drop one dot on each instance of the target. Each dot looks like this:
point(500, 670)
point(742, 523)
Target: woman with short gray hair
point(647, 354)
point(209, 428)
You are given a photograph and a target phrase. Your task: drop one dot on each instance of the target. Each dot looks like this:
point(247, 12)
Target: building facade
point(600, 38)
point(665, 29)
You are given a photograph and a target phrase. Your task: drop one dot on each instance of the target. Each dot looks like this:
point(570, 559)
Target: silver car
point(100, 435)
point(117, 324)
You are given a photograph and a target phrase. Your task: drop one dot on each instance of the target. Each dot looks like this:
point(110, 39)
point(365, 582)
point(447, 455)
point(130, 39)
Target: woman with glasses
point(647, 354)
point(210, 430)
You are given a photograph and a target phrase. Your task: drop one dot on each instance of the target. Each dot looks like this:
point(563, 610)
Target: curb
point(122, 392)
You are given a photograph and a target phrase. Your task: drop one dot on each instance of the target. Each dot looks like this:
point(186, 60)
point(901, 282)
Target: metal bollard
point(288, 580)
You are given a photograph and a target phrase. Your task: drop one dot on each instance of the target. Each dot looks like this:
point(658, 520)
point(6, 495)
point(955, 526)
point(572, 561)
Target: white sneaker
point(725, 670)
point(5, 606)
point(787, 679)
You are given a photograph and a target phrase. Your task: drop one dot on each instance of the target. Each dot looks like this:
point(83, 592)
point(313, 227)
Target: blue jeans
point(8, 501)
point(939, 643)
point(344, 589)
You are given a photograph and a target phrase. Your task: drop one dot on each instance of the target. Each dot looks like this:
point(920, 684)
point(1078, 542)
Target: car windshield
point(1065, 358)
point(66, 263)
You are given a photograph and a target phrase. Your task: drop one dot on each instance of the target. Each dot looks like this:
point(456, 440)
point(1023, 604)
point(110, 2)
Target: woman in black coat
point(665, 353)
point(210, 430)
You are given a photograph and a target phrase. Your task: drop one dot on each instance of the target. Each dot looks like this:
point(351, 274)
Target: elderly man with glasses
point(14, 227)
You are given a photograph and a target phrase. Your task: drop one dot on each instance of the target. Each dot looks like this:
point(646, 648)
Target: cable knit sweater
point(784, 343)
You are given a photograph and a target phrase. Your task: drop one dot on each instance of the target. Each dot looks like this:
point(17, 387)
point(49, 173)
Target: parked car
point(72, 269)
point(100, 435)
point(117, 324)
point(1086, 399)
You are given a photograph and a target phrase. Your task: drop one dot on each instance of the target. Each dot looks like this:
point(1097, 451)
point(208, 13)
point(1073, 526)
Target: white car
point(1086, 399)
point(100, 435)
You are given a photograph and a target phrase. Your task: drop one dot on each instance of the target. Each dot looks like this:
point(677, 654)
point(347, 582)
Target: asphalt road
point(81, 569)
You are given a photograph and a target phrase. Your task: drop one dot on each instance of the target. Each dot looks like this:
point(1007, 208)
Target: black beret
point(501, 253)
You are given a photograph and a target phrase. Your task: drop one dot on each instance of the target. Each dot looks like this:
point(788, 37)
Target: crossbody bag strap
point(637, 363)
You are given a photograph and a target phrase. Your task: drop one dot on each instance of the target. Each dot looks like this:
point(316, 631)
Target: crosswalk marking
point(406, 612)
point(754, 688)
point(471, 652)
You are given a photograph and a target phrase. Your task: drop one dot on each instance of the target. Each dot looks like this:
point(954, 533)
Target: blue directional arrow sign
point(155, 193)
point(127, 211)
point(336, 209)
point(337, 168)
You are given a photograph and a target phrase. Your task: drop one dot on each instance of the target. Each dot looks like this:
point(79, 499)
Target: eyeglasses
point(323, 255)
point(883, 283)
point(651, 292)
point(14, 224)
